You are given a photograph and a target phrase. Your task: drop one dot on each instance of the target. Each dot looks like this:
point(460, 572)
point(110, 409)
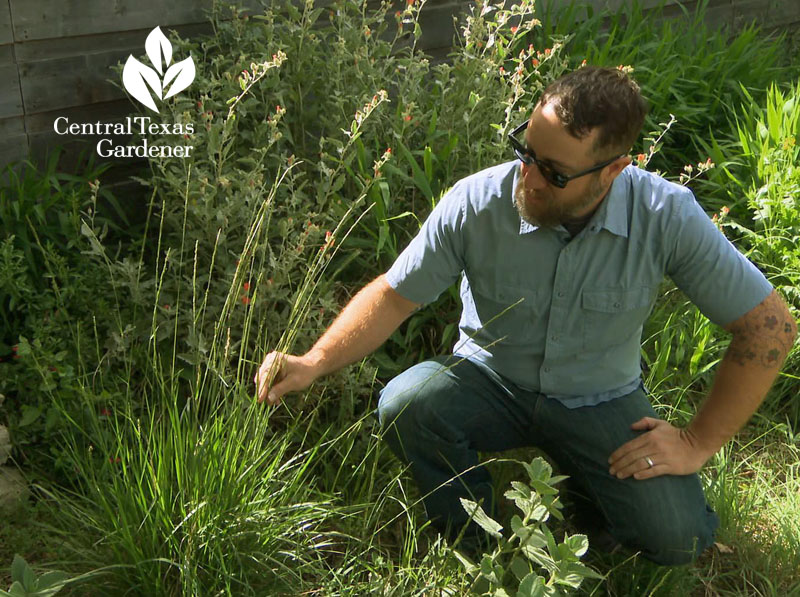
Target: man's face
point(543, 204)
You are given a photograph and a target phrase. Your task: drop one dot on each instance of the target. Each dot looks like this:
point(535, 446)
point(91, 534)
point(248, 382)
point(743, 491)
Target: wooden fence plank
point(13, 140)
point(67, 18)
point(10, 95)
point(6, 32)
point(62, 73)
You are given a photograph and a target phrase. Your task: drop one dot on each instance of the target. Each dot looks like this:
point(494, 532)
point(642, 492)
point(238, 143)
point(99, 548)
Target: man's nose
point(533, 176)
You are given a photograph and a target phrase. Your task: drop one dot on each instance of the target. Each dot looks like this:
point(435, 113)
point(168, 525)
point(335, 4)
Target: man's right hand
point(363, 325)
point(281, 373)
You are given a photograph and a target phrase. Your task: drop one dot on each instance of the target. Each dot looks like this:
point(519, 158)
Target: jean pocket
point(612, 315)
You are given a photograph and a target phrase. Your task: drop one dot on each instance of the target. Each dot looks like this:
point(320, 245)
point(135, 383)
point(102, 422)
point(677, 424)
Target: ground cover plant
point(305, 183)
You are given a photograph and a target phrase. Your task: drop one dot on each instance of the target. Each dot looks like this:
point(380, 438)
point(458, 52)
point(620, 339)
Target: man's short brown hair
point(603, 98)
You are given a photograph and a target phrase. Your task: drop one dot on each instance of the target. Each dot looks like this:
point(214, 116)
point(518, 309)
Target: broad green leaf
point(29, 415)
point(538, 469)
point(481, 518)
point(577, 544)
point(543, 488)
point(519, 567)
point(17, 590)
point(49, 580)
point(531, 586)
point(487, 570)
point(471, 568)
point(18, 568)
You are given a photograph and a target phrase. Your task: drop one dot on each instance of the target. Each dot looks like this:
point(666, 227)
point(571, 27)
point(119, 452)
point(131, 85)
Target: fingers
point(270, 371)
point(630, 458)
point(645, 423)
point(633, 463)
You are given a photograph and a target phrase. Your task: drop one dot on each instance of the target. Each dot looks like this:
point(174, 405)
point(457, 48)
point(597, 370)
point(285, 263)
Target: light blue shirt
point(560, 315)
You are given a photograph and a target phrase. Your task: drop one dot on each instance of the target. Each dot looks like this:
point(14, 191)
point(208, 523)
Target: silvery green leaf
point(469, 565)
point(487, 570)
point(531, 586)
point(517, 525)
point(481, 518)
point(521, 488)
point(543, 488)
point(577, 544)
point(535, 538)
point(18, 568)
point(136, 77)
point(519, 567)
point(183, 72)
point(157, 47)
point(573, 577)
point(540, 557)
point(539, 513)
point(538, 469)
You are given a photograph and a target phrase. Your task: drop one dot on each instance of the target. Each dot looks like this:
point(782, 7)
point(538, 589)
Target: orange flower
point(641, 157)
point(245, 300)
point(535, 62)
point(246, 286)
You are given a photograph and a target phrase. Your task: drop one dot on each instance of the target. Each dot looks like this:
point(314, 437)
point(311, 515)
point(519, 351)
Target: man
point(560, 255)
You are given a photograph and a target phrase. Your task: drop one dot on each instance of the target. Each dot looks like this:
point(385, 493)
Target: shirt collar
point(611, 215)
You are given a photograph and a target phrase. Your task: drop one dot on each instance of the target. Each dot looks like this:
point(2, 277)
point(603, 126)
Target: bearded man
point(560, 255)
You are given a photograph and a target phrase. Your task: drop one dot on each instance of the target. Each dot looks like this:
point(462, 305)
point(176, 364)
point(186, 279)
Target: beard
point(540, 208)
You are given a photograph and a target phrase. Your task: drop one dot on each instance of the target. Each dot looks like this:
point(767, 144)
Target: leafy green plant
point(684, 66)
point(530, 562)
point(46, 282)
point(25, 583)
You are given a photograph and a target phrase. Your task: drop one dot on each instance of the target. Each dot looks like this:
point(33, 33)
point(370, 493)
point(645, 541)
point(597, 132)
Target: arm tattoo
point(764, 335)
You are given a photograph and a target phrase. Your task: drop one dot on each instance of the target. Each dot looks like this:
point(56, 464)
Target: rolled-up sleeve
point(704, 264)
point(434, 259)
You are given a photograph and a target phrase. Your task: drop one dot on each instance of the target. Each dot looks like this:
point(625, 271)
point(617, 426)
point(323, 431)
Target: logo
point(157, 139)
point(164, 81)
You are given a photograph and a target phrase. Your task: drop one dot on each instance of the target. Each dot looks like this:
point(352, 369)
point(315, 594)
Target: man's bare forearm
point(761, 342)
point(363, 325)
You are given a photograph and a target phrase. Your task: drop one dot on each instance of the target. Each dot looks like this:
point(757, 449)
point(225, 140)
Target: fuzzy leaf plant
point(531, 562)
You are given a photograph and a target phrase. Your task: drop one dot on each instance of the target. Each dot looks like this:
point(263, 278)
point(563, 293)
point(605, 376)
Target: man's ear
point(614, 168)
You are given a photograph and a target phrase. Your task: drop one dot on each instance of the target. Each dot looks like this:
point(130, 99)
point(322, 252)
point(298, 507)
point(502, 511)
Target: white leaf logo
point(183, 73)
point(158, 46)
point(139, 79)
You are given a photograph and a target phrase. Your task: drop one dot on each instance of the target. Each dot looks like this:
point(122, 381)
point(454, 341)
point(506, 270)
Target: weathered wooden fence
point(55, 55)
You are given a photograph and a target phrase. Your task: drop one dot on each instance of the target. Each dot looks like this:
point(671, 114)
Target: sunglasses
point(550, 174)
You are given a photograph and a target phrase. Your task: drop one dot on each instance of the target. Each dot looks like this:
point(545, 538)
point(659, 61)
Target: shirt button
point(617, 304)
point(560, 294)
point(554, 338)
point(547, 369)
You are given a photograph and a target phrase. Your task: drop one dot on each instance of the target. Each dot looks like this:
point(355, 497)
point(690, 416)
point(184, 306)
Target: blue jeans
point(438, 414)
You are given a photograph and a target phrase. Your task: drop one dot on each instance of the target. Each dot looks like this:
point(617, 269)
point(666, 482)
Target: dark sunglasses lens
point(523, 156)
point(550, 175)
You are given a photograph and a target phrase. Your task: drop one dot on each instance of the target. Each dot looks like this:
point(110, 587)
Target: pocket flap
point(615, 300)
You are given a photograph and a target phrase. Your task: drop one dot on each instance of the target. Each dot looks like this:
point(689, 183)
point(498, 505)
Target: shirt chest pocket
point(503, 312)
point(611, 316)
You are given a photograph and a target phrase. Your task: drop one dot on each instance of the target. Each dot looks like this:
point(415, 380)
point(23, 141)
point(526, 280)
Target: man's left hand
point(662, 450)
